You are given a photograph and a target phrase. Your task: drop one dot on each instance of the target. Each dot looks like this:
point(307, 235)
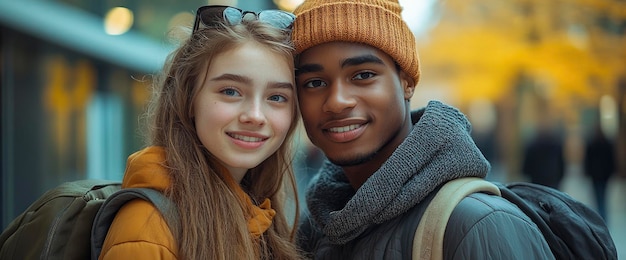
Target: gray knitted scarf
point(438, 149)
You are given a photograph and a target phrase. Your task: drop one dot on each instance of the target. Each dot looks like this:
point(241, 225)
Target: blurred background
point(539, 80)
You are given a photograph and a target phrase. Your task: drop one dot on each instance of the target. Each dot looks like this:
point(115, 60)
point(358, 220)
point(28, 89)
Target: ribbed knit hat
point(373, 22)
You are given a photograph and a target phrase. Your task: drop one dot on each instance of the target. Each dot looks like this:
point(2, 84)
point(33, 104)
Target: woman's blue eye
point(230, 92)
point(364, 75)
point(277, 98)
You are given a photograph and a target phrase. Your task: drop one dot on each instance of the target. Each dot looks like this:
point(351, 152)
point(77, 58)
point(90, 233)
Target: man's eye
point(314, 84)
point(364, 75)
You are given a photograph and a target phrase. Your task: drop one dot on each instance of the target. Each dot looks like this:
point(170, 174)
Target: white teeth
point(247, 138)
point(343, 128)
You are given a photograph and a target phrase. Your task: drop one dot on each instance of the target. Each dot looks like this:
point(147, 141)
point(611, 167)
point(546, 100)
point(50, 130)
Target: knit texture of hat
point(373, 22)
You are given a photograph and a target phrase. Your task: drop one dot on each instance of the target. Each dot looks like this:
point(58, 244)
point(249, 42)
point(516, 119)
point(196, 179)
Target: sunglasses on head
point(214, 15)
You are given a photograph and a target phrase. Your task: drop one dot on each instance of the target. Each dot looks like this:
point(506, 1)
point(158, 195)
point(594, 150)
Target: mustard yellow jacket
point(139, 231)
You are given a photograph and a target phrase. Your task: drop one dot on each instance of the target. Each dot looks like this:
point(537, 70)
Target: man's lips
point(341, 124)
point(344, 130)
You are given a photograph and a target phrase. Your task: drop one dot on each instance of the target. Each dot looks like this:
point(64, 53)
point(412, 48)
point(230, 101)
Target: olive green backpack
point(70, 221)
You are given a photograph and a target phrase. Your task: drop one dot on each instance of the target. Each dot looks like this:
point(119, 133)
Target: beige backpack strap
point(428, 240)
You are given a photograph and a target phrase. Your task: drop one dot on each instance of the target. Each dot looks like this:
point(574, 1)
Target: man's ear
point(408, 85)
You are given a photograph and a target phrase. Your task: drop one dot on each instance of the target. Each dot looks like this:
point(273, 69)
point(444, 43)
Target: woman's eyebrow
point(233, 77)
point(281, 85)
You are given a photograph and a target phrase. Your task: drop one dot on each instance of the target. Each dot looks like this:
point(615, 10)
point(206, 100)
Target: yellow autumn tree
point(571, 51)
point(480, 47)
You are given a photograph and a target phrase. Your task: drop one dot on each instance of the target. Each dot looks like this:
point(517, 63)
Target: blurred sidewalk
point(579, 187)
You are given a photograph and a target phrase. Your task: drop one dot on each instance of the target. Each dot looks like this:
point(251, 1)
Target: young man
point(356, 71)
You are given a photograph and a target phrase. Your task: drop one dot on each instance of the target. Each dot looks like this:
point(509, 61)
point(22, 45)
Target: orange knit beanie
point(373, 22)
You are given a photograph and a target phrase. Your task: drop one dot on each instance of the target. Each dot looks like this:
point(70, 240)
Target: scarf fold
point(259, 217)
point(438, 149)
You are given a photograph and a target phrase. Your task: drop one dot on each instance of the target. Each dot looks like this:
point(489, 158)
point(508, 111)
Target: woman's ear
point(408, 85)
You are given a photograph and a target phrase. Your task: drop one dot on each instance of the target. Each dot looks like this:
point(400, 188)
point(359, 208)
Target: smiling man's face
point(353, 101)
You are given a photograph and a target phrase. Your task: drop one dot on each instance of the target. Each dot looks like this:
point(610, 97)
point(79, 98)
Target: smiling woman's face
point(245, 107)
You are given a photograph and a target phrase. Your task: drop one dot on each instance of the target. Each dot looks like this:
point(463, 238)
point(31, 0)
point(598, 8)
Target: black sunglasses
point(214, 15)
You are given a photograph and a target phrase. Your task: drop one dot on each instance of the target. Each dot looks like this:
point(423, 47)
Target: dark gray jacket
point(481, 227)
point(378, 221)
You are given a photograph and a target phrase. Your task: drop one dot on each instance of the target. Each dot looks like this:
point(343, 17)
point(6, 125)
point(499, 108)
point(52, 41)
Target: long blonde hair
point(211, 221)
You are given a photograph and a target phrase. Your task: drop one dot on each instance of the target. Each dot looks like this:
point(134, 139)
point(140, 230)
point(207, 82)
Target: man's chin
point(346, 161)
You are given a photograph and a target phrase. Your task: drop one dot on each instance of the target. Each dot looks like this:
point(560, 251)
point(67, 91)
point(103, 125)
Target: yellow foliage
point(481, 47)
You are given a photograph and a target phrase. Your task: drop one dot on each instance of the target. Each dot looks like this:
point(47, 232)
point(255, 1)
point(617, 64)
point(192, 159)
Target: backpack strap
point(428, 239)
point(114, 203)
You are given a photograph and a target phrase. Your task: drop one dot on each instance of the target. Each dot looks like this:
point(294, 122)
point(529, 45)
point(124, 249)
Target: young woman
point(223, 115)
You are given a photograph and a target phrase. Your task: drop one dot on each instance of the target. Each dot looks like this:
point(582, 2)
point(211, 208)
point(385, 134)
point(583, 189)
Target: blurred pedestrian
point(599, 165)
point(543, 159)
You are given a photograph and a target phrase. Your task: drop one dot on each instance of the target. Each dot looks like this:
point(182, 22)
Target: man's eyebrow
point(354, 61)
point(358, 60)
point(308, 68)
